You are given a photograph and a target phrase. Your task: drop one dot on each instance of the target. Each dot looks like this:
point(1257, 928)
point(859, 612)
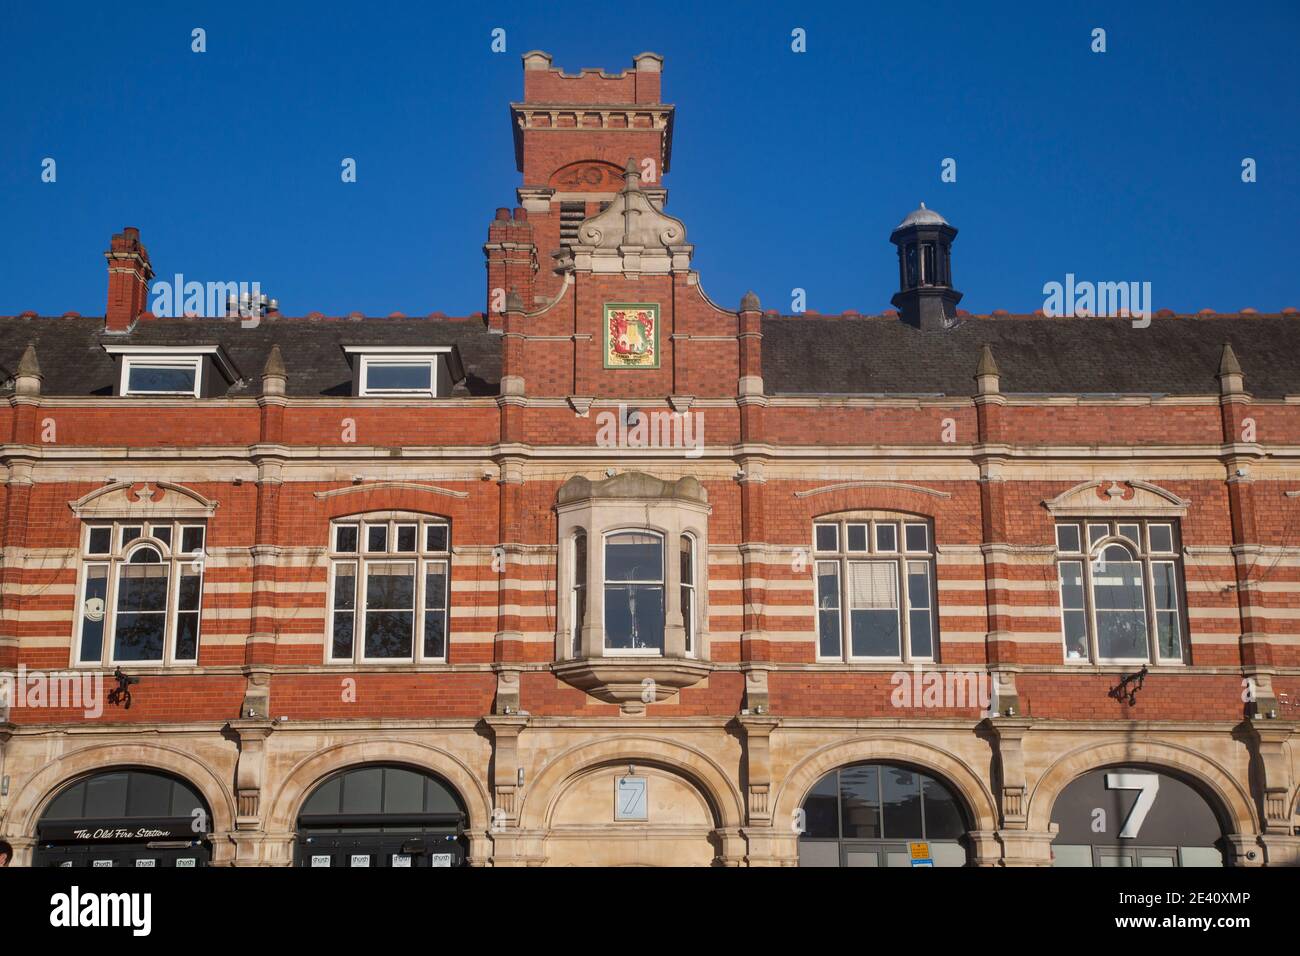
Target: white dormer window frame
point(189, 359)
point(368, 358)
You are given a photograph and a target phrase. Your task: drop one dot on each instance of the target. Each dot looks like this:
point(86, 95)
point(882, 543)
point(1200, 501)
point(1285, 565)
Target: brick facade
point(263, 716)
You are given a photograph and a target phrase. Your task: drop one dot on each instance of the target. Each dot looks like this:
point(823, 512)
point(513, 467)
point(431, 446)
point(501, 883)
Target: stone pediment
point(631, 236)
point(143, 500)
point(1105, 497)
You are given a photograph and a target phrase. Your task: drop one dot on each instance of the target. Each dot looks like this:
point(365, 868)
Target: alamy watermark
point(53, 690)
point(638, 429)
point(1108, 299)
point(178, 297)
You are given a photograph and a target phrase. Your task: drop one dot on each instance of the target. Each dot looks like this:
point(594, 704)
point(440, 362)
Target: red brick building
point(611, 573)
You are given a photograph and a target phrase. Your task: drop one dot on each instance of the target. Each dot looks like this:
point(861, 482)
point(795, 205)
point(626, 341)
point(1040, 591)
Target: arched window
point(382, 816)
point(634, 592)
point(1118, 589)
point(390, 577)
point(141, 593)
point(125, 817)
point(874, 814)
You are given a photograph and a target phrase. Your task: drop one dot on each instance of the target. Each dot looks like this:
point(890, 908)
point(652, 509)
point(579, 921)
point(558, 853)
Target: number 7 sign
point(1147, 785)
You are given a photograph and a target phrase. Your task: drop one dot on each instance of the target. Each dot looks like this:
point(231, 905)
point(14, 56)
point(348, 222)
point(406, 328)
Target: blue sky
point(788, 169)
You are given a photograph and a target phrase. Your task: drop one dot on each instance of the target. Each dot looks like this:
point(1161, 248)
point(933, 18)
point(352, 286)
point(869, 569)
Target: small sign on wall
point(631, 799)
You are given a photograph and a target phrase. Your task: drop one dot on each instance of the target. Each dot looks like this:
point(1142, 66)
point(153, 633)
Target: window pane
point(886, 537)
point(345, 602)
point(901, 803)
point(579, 590)
point(1165, 587)
point(156, 378)
point(435, 537)
point(828, 609)
point(1162, 538)
point(398, 376)
point(1067, 538)
point(1096, 532)
point(916, 537)
point(687, 578)
point(873, 608)
point(435, 610)
point(1120, 608)
point(189, 593)
point(92, 613)
point(390, 610)
point(920, 620)
point(406, 538)
point(828, 537)
point(1133, 532)
point(634, 616)
point(860, 803)
point(130, 534)
point(634, 557)
point(163, 533)
point(345, 538)
point(821, 809)
point(377, 537)
point(943, 816)
point(101, 540)
point(191, 540)
point(1073, 619)
point(857, 537)
point(141, 612)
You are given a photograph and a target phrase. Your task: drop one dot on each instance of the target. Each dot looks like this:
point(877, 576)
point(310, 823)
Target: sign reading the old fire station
point(631, 335)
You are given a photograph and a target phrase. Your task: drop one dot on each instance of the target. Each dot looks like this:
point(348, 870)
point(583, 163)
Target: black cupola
point(926, 298)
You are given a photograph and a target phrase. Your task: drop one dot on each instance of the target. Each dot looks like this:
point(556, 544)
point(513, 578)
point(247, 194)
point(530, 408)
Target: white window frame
point(577, 583)
point(1142, 555)
point(420, 560)
point(366, 356)
point(900, 557)
point(606, 650)
point(119, 555)
point(191, 364)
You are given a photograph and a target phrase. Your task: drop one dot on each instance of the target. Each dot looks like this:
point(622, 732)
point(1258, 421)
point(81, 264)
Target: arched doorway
point(382, 816)
point(882, 814)
point(128, 817)
point(1136, 816)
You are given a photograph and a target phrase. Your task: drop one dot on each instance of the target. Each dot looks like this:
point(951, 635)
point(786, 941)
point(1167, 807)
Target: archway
point(382, 815)
point(125, 817)
point(1137, 816)
point(634, 801)
point(877, 814)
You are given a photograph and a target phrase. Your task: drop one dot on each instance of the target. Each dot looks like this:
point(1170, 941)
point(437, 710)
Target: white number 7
point(1148, 784)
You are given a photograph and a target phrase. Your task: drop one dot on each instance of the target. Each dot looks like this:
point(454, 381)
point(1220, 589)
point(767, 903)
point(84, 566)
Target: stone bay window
point(633, 625)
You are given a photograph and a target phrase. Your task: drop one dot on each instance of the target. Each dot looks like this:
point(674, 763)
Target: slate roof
point(826, 355)
point(1172, 356)
point(74, 363)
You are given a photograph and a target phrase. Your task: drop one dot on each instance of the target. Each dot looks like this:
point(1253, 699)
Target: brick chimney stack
point(129, 273)
point(511, 263)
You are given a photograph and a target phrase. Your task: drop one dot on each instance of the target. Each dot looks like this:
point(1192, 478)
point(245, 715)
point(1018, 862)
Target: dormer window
point(417, 371)
point(192, 371)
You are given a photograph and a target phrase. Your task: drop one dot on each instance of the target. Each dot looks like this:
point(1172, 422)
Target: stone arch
point(1235, 807)
point(304, 777)
point(952, 769)
point(721, 793)
point(35, 795)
